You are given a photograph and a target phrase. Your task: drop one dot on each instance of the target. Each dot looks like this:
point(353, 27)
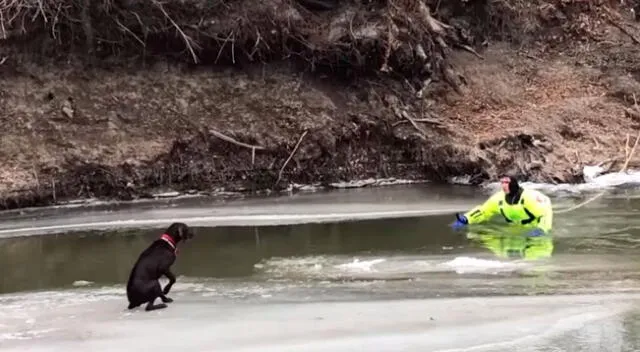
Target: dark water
point(55, 261)
point(589, 250)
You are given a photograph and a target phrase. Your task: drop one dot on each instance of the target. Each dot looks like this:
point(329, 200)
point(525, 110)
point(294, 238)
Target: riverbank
point(540, 89)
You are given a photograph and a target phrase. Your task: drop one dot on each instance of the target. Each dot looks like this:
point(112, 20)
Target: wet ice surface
point(343, 303)
point(340, 205)
point(94, 321)
point(407, 284)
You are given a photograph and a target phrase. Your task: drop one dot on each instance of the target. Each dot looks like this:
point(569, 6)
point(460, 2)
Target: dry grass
point(566, 108)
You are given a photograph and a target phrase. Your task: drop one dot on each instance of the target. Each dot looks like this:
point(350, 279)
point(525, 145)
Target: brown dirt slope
point(123, 98)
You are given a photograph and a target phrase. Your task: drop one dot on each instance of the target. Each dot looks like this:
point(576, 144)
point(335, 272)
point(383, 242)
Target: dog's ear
point(181, 231)
point(185, 232)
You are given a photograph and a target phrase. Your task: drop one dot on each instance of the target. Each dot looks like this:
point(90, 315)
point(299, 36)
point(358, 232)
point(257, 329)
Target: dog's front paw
point(166, 299)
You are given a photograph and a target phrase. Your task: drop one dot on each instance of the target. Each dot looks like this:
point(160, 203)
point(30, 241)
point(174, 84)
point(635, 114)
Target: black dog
point(155, 261)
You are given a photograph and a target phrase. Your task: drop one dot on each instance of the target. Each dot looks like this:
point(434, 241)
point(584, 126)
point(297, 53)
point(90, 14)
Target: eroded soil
point(541, 108)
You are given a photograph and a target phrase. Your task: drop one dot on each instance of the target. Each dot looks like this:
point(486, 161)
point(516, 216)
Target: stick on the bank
point(290, 157)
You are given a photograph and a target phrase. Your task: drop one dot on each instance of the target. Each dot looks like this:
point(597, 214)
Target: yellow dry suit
point(532, 210)
point(513, 246)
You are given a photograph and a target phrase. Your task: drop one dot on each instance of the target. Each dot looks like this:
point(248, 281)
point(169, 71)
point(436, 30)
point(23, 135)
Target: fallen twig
point(611, 161)
point(413, 122)
point(197, 128)
point(233, 141)
point(289, 158)
point(425, 120)
point(471, 50)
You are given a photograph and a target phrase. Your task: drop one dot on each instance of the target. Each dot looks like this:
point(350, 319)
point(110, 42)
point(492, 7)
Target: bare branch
point(295, 149)
point(4, 31)
point(187, 40)
point(233, 141)
point(425, 120)
point(124, 28)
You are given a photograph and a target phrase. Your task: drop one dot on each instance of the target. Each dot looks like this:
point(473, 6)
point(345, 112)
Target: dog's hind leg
point(155, 292)
point(150, 306)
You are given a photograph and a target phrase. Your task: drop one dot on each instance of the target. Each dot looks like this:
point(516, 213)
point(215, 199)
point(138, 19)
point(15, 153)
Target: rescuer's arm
point(485, 211)
point(480, 213)
point(540, 206)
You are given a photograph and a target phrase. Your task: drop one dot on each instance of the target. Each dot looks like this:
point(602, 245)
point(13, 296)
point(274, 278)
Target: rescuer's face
point(505, 185)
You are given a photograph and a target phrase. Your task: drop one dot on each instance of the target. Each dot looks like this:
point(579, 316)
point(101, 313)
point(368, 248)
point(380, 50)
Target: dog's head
point(179, 232)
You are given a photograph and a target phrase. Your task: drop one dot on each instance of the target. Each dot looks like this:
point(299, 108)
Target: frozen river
point(357, 270)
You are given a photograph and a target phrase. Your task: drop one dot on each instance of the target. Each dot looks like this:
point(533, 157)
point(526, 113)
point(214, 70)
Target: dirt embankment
point(123, 98)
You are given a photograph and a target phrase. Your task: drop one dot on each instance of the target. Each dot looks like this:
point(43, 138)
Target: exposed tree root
point(399, 37)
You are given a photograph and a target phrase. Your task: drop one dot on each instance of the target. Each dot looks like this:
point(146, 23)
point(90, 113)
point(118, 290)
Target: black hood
point(515, 191)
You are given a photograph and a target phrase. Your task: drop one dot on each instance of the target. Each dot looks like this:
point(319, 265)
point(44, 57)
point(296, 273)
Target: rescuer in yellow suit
point(528, 209)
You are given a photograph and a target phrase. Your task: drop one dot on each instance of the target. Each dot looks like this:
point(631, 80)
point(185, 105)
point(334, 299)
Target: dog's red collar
point(170, 241)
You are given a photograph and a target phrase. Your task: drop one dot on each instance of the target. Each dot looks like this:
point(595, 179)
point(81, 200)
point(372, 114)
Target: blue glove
point(460, 222)
point(535, 233)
